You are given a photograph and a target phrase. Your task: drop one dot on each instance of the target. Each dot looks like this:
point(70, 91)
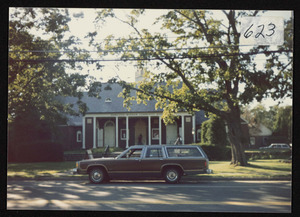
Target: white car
point(277, 145)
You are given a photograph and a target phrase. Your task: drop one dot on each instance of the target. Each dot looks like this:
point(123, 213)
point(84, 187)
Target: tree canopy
point(36, 76)
point(203, 65)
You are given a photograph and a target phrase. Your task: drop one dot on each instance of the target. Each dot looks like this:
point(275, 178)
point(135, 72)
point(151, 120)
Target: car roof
point(158, 146)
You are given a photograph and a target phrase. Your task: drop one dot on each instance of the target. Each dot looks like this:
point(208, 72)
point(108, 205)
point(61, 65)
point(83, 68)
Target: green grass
point(268, 169)
point(42, 169)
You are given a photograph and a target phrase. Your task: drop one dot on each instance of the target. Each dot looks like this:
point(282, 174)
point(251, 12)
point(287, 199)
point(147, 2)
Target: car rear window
point(183, 152)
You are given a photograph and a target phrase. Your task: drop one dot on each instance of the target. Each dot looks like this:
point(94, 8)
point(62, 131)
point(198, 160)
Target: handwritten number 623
point(271, 31)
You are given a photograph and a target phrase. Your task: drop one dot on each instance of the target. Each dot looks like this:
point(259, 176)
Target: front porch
point(127, 129)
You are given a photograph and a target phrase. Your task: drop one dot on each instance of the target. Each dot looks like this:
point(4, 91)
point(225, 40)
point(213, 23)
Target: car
point(168, 162)
point(277, 145)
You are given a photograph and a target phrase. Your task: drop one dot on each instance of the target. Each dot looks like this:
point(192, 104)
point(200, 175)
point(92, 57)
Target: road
point(205, 196)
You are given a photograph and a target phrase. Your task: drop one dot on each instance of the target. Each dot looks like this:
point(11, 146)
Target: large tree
point(40, 54)
point(37, 70)
point(201, 66)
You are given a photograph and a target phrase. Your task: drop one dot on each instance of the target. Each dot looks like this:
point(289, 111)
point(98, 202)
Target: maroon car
point(155, 161)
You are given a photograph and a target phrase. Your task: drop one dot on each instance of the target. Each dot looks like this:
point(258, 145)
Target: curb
point(186, 179)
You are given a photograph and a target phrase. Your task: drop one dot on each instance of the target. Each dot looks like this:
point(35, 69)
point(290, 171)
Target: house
point(259, 135)
point(108, 123)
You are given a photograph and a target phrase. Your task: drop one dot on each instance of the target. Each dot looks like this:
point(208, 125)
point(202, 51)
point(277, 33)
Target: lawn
point(269, 169)
point(263, 169)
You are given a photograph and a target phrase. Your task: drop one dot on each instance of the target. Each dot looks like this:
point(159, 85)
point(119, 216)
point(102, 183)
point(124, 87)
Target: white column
point(194, 128)
point(149, 130)
point(127, 133)
point(182, 129)
point(117, 131)
point(159, 124)
point(83, 133)
point(94, 132)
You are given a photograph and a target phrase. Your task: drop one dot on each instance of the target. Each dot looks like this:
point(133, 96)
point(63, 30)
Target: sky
point(80, 27)
point(83, 22)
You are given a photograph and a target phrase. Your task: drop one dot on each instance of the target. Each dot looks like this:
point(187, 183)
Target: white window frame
point(78, 136)
point(152, 135)
point(122, 132)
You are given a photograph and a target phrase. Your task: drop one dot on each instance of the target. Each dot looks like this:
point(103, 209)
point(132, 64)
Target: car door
point(152, 161)
point(128, 165)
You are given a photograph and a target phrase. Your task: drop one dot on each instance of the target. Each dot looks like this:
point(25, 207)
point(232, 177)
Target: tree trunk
point(238, 156)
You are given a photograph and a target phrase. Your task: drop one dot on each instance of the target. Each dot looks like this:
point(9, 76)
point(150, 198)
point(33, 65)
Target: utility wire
point(146, 59)
point(117, 50)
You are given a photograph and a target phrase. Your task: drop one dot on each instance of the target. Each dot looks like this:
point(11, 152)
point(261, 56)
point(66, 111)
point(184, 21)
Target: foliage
point(283, 122)
point(268, 154)
point(277, 118)
point(39, 151)
point(36, 77)
point(202, 68)
point(213, 131)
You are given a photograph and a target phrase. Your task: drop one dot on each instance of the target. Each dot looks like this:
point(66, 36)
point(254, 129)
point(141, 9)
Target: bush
point(268, 154)
point(216, 152)
point(213, 132)
point(39, 152)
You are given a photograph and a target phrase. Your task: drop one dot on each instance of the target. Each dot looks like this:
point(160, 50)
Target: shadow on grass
point(268, 167)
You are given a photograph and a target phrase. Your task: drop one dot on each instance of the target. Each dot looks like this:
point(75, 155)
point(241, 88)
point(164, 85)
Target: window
point(155, 133)
point(199, 135)
point(184, 152)
point(133, 153)
point(123, 134)
point(154, 153)
point(78, 136)
point(108, 100)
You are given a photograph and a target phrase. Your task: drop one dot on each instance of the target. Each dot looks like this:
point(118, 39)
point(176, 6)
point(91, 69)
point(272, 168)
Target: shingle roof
point(99, 106)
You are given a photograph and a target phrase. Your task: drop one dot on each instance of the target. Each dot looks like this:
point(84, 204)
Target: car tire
point(97, 175)
point(172, 175)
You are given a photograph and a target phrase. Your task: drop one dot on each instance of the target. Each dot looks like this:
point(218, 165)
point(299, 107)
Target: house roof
point(111, 103)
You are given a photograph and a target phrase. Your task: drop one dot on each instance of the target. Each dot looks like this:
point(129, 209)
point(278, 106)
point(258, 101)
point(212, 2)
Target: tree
point(213, 132)
point(283, 122)
point(37, 77)
point(202, 67)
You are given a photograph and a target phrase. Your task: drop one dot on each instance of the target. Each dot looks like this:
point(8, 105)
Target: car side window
point(154, 153)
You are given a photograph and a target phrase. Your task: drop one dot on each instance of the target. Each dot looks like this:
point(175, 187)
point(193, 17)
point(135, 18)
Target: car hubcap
point(97, 176)
point(172, 175)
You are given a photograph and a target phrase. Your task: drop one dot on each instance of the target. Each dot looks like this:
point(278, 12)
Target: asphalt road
point(206, 196)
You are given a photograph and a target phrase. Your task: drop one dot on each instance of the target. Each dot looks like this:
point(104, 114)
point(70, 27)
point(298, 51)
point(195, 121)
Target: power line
point(146, 59)
point(117, 50)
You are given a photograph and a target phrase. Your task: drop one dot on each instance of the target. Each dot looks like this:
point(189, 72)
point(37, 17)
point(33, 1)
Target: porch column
point(127, 133)
point(182, 129)
point(94, 132)
point(194, 128)
point(149, 130)
point(83, 133)
point(159, 125)
point(117, 131)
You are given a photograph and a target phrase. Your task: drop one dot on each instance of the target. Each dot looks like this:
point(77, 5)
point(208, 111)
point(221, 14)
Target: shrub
point(267, 154)
point(216, 152)
point(39, 152)
point(213, 132)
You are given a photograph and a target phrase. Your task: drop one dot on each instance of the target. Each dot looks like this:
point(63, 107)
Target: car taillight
point(205, 164)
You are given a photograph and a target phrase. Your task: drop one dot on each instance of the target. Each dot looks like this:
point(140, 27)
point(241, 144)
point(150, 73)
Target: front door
point(109, 134)
point(171, 133)
point(140, 132)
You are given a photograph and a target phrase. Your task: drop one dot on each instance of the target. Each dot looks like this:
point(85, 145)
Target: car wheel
point(172, 175)
point(97, 175)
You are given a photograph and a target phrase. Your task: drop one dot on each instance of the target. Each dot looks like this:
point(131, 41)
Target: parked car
point(277, 145)
point(142, 161)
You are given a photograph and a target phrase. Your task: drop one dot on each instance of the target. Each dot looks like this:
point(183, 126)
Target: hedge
point(38, 152)
point(268, 154)
point(216, 152)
